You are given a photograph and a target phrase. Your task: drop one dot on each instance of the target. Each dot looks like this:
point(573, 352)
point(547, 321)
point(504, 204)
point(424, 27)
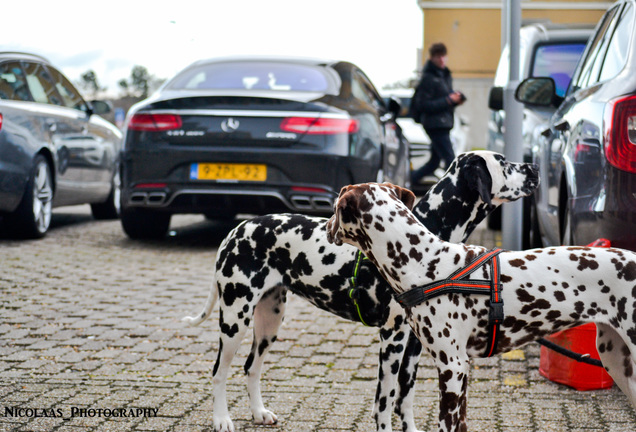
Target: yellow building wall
point(473, 36)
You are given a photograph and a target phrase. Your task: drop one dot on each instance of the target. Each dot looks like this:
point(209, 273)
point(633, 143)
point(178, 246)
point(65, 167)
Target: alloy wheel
point(42, 196)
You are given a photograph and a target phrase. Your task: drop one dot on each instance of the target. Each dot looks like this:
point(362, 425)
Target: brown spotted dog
point(263, 258)
point(542, 291)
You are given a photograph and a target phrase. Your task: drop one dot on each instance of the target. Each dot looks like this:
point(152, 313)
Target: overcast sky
point(112, 36)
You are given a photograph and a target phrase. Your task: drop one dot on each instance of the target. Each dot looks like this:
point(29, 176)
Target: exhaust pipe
point(148, 198)
point(305, 202)
point(322, 203)
point(301, 202)
point(138, 198)
point(156, 198)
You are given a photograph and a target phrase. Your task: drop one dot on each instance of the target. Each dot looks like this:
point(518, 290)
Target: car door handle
point(562, 126)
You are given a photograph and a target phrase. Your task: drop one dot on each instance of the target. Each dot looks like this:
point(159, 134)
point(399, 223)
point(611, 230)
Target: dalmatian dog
point(263, 258)
point(542, 290)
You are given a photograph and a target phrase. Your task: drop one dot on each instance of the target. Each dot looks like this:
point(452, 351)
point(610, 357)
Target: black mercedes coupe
point(256, 135)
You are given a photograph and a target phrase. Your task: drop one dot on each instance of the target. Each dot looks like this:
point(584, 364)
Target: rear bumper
point(299, 181)
point(228, 199)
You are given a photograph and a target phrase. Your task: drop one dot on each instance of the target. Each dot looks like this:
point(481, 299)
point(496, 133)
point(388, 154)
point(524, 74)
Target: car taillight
point(154, 122)
point(0, 121)
point(319, 126)
point(620, 133)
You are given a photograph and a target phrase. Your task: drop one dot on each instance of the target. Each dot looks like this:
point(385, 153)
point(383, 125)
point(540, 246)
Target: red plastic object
point(563, 370)
point(581, 340)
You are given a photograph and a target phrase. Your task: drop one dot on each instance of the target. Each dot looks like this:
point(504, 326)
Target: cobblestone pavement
point(90, 320)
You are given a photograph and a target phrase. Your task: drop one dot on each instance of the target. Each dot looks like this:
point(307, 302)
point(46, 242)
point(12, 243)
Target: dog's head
point(474, 185)
point(496, 179)
point(353, 211)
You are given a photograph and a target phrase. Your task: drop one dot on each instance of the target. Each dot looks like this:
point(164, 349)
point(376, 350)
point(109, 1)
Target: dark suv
point(54, 149)
point(587, 153)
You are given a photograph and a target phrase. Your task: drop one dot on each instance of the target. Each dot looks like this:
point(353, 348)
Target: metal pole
point(513, 138)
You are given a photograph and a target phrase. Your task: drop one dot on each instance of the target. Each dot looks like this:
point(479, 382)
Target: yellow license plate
point(228, 172)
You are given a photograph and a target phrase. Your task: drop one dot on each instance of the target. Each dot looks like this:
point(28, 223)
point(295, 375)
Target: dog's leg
point(453, 369)
point(393, 338)
point(617, 359)
point(406, 382)
point(268, 317)
point(233, 330)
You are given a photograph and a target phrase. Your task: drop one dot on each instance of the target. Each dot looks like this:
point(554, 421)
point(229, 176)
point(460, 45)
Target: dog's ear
point(477, 176)
point(341, 206)
point(406, 196)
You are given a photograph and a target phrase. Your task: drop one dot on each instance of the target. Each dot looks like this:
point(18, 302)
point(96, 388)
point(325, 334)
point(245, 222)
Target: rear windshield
point(252, 75)
point(557, 61)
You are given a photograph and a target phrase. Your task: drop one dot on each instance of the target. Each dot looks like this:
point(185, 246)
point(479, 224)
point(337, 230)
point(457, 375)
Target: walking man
point(433, 107)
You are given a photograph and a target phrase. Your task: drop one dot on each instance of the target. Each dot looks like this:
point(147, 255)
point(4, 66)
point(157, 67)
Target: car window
point(362, 88)
point(259, 75)
point(618, 48)
point(13, 84)
point(558, 62)
point(70, 96)
point(41, 84)
point(587, 73)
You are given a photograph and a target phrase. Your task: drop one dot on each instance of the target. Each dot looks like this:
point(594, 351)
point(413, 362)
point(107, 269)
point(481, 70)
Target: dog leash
point(353, 291)
point(456, 283)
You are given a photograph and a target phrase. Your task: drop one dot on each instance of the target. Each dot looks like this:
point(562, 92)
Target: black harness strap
point(456, 283)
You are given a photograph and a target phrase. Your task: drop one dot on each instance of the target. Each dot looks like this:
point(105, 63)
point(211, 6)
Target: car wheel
point(32, 218)
point(145, 224)
point(111, 208)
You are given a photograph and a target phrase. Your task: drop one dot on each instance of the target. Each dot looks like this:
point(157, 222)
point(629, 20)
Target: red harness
point(456, 283)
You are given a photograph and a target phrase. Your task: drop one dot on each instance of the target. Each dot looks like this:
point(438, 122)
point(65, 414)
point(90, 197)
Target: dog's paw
point(265, 417)
point(223, 424)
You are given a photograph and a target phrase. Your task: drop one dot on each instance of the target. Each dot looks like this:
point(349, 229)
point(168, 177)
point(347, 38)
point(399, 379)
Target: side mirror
point(100, 107)
point(495, 98)
point(538, 92)
point(394, 107)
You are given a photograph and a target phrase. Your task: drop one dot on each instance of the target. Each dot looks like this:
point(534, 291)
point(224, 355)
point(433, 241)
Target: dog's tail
point(207, 310)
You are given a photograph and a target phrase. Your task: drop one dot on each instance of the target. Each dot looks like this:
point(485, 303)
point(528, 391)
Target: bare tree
point(141, 83)
point(90, 84)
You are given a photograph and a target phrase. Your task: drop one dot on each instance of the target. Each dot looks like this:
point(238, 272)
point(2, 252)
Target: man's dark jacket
point(432, 98)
